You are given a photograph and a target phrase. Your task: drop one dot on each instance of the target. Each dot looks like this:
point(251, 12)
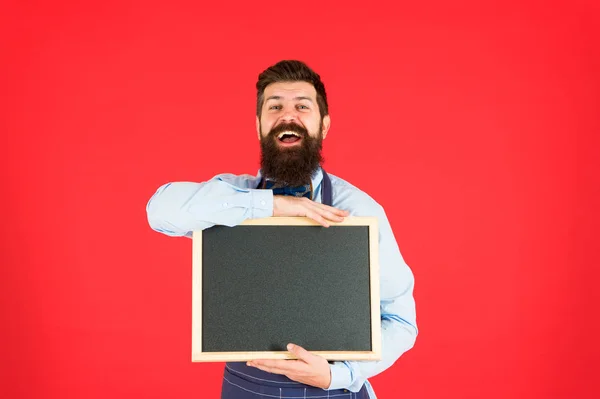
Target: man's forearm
point(177, 209)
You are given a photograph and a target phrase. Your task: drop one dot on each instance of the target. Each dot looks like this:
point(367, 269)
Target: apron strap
point(326, 196)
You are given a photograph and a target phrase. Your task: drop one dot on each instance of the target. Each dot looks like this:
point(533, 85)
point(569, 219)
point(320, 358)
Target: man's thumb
point(299, 352)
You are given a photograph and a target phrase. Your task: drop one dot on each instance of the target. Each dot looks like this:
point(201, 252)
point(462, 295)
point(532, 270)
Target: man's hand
point(308, 369)
point(302, 206)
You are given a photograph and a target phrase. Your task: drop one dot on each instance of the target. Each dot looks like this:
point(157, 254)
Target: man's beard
point(293, 166)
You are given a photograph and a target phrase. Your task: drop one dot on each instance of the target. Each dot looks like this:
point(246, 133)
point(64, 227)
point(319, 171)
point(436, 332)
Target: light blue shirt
point(179, 208)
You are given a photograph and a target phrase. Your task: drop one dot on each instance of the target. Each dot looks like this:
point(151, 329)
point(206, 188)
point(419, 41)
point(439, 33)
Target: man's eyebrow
point(303, 98)
point(295, 98)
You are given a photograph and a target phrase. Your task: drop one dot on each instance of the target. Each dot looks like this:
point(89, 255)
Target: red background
point(483, 119)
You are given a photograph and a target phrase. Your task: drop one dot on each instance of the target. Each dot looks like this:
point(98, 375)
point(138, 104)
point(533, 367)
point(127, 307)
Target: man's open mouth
point(289, 137)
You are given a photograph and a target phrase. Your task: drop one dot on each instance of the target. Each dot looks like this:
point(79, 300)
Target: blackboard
point(267, 282)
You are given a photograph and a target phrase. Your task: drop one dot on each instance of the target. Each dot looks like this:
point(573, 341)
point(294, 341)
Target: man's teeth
point(284, 133)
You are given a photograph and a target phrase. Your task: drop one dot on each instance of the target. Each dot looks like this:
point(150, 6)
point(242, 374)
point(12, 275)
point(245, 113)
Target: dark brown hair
point(291, 71)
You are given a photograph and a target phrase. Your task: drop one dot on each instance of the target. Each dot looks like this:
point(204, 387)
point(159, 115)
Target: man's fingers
point(338, 212)
point(333, 217)
point(323, 217)
point(268, 369)
point(328, 215)
point(277, 366)
point(300, 352)
point(292, 375)
point(328, 212)
point(321, 213)
point(317, 218)
point(332, 211)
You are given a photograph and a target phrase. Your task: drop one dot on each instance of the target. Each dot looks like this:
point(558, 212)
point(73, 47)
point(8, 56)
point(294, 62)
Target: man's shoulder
point(348, 194)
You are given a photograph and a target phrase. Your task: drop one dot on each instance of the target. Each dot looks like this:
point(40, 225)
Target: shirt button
point(225, 204)
point(263, 202)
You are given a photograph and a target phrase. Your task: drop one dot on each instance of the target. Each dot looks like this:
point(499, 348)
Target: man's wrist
point(262, 203)
point(341, 376)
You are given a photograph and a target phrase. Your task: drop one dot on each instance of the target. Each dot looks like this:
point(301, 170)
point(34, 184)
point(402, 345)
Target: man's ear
point(258, 127)
point(326, 125)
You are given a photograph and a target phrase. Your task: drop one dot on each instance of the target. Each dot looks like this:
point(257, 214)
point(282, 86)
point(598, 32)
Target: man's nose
point(289, 116)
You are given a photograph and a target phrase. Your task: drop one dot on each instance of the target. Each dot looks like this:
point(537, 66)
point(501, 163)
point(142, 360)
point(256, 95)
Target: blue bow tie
point(301, 191)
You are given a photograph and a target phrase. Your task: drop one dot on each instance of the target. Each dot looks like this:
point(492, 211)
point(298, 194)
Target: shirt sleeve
point(398, 317)
point(179, 208)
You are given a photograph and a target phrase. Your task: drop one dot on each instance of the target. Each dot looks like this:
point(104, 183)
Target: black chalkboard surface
point(267, 282)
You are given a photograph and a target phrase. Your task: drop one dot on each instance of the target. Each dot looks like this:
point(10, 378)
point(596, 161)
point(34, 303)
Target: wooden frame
point(374, 354)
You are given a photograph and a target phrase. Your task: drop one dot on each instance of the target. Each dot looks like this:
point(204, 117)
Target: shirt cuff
point(262, 203)
point(341, 376)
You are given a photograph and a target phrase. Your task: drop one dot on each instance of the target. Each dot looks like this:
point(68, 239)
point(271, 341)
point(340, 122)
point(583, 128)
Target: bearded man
point(292, 120)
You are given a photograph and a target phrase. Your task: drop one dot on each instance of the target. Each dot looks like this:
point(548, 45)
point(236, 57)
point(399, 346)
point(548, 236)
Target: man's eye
point(302, 106)
point(275, 107)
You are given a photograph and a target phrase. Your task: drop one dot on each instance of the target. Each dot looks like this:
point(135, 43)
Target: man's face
point(290, 103)
point(291, 131)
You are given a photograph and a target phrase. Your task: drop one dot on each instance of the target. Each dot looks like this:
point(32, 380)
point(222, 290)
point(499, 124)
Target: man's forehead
point(290, 90)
